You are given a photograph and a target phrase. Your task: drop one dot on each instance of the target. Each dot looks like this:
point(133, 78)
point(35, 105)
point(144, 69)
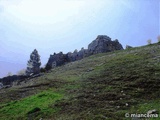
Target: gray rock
point(154, 111)
point(56, 60)
point(103, 44)
point(74, 55)
point(82, 53)
point(1, 85)
point(127, 47)
point(77, 55)
point(90, 69)
point(70, 57)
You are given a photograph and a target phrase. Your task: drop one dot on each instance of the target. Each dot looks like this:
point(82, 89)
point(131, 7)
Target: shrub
point(42, 70)
point(21, 72)
point(9, 74)
point(36, 109)
point(158, 39)
point(149, 42)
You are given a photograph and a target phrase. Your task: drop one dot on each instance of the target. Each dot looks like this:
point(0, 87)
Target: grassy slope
point(102, 86)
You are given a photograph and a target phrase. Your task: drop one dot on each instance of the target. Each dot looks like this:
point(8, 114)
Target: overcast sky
point(65, 25)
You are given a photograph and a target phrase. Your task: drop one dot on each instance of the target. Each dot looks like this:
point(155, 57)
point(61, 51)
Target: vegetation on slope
point(33, 104)
point(102, 86)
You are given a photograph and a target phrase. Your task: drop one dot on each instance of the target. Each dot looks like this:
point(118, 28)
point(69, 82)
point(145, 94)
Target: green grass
point(21, 109)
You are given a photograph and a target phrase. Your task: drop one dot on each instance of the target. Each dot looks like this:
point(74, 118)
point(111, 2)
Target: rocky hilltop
point(99, 87)
point(101, 44)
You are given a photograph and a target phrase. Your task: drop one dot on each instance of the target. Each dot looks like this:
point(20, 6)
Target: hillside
point(99, 87)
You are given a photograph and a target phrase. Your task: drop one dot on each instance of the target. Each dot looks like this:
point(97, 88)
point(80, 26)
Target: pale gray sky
point(65, 25)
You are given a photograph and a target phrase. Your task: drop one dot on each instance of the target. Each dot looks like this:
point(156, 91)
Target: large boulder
point(56, 60)
point(102, 44)
point(128, 47)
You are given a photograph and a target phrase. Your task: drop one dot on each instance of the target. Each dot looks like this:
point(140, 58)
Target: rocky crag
point(101, 44)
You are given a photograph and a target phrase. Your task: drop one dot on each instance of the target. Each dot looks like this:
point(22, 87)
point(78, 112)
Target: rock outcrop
point(56, 60)
point(128, 47)
point(101, 44)
point(77, 55)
